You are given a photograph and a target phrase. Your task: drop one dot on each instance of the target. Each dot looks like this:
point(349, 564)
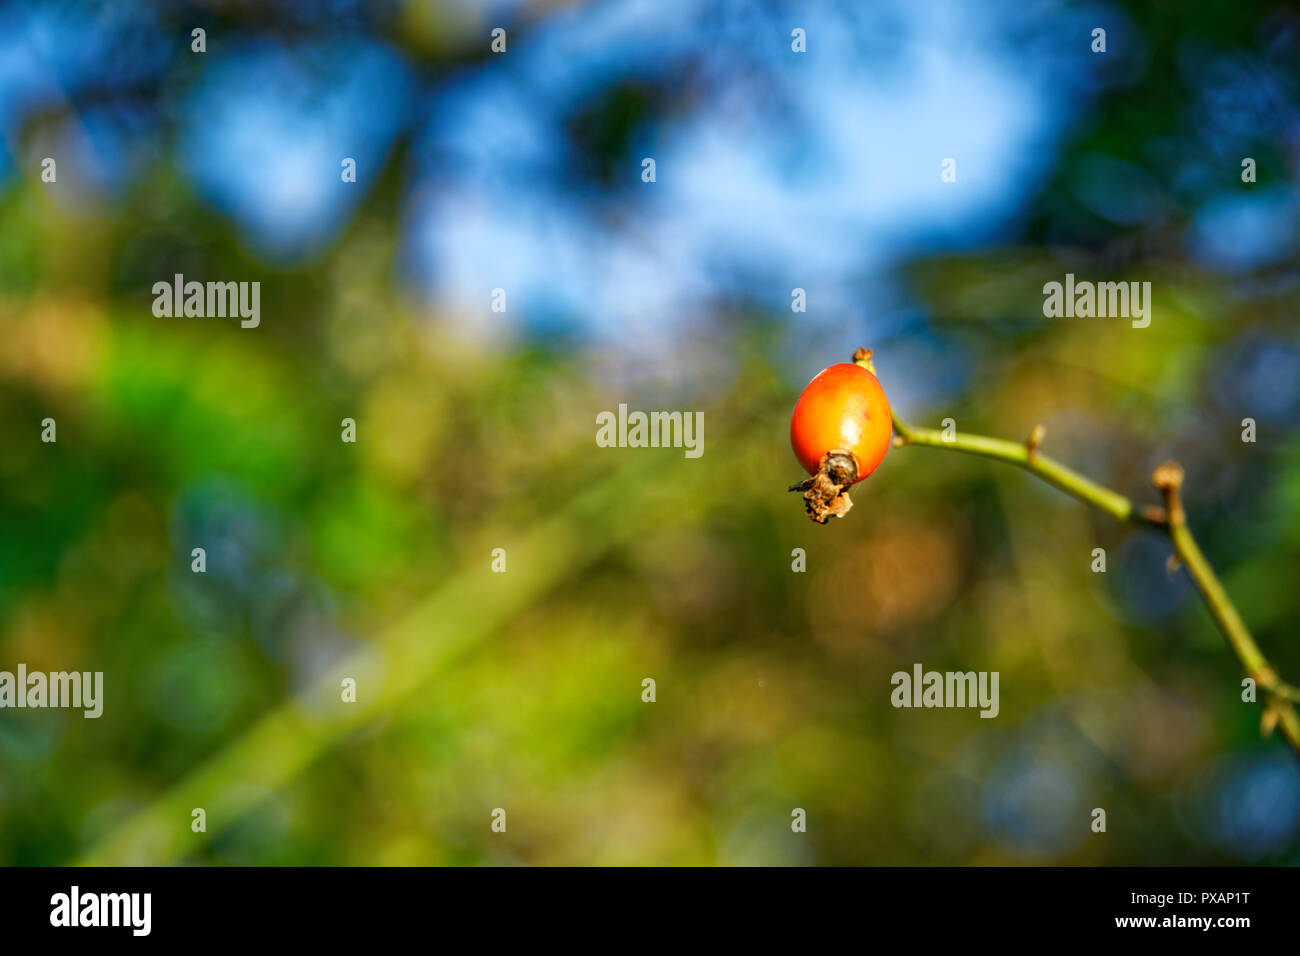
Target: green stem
point(1168, 478)
point(1172, 519)
point(1026, 456)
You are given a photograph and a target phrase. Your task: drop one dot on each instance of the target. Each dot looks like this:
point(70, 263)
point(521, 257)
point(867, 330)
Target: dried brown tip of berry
point(825, 494)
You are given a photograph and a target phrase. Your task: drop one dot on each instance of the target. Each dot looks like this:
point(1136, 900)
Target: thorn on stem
point(1155, 514)
point(1268, 720)
point(1035, 439)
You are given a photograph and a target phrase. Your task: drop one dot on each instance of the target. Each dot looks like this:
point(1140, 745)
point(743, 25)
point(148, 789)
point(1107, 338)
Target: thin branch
point(1279, 708)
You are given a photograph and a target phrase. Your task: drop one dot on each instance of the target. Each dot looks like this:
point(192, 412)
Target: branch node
point(1035, 439)
point(1167, 477)
point(1168, 480)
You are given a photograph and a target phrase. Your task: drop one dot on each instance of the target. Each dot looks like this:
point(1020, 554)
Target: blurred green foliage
point(522, 690)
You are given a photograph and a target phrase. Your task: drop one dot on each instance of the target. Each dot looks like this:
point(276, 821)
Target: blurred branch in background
point(461, 615)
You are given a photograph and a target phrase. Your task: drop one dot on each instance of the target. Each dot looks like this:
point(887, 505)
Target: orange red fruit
point(842, 409)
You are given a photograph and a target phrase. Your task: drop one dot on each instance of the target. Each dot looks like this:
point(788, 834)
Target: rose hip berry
point(840, 432)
